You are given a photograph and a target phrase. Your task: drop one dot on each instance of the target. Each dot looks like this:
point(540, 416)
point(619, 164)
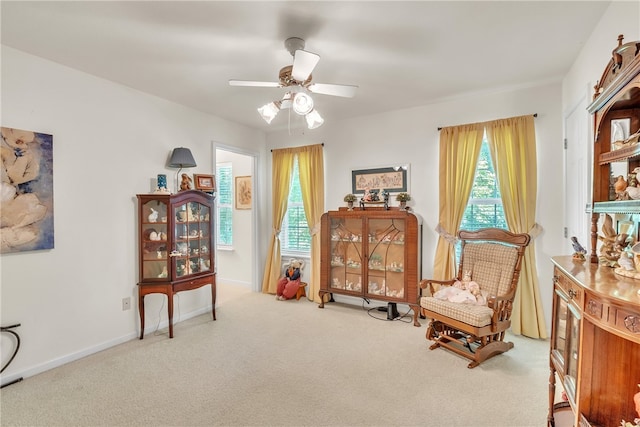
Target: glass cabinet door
point(560, 340)
point(566, 341)
point(571, 361)
point(154, 240)
point(346, 254)
point(192, 236)
point(386, 255)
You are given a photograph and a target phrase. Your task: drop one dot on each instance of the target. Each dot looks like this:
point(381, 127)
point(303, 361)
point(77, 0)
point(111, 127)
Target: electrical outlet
point(126, 303)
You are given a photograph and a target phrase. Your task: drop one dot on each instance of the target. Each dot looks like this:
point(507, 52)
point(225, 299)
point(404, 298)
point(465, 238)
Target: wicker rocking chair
point(492, 257)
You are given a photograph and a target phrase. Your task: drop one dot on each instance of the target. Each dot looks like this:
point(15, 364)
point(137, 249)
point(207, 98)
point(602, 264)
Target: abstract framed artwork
point(391, 179)
point(243, 192)
point(26, 218)
point(205, 183)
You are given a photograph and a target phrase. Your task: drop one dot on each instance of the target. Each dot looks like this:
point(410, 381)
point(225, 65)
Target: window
point(295, 235)
point(224, 207)
point(484, 208)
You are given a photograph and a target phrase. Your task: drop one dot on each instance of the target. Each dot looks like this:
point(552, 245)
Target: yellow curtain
point(459, 151)
point(513, 150)
point(311, 167)
point(282, 166)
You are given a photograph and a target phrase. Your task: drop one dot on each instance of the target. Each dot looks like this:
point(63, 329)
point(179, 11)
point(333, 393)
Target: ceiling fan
point(297, 77)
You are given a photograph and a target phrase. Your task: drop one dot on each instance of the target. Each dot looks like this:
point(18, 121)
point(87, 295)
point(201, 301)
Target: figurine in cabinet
point(153, 216)
point(182, 248)
point(620, 187)
point(164, 272)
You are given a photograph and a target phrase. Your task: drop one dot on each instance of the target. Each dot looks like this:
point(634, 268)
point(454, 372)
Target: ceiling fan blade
point(347, 91)
point(303, 64)
point(252, 83)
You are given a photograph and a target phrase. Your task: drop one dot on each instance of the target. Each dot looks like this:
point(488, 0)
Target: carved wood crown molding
point(623, 66)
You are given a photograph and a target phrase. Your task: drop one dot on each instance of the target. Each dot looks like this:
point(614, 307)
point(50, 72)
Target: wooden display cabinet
point(595, 337)
point(371, 253)
point(595, 342)
point(176, 247)
point(616, 113)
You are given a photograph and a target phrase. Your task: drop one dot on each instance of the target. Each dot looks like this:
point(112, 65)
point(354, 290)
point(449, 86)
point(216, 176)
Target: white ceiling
point(400, 54)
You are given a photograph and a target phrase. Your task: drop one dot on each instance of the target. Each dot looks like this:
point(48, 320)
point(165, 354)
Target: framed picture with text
point(391, 179)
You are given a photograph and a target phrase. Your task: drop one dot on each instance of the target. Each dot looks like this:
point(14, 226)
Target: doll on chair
point(289, 284)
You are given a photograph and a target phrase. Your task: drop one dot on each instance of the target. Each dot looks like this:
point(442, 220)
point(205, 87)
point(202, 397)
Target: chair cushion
point(471, 314)
point(491, 265)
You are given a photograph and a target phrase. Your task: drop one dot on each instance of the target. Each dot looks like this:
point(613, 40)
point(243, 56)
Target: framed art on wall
point(391, 179)
point(27, 190)
point(205, 183)
point(243, 192)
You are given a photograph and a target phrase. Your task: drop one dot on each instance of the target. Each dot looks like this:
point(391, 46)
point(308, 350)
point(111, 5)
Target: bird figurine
point(620, 185)
point(580, 251)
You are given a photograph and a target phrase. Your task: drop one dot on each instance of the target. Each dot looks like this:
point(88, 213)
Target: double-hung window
point(294, 234)
point(484, 208)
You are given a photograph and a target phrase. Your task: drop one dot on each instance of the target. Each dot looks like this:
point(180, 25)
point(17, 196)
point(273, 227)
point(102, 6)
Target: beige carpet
point(270, 363)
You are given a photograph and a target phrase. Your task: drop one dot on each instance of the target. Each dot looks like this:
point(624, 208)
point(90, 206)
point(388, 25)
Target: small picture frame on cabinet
point(205, 183)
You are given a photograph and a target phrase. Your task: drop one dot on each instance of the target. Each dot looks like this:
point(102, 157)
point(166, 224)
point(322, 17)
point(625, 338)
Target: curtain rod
point(534, 115)
point(322, 143)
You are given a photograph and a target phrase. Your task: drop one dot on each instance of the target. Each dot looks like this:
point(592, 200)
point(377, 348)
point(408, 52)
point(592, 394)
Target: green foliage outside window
point(484, 208)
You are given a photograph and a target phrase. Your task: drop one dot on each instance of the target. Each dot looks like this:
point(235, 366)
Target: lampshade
point(182, 158)
point(299, 101)
point(269, 111)
point(302, 103)
point(314, 120)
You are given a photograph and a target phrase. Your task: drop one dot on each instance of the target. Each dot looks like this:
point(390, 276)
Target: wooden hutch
point(595, 338)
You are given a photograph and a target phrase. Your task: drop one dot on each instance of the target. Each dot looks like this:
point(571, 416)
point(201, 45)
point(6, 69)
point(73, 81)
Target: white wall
point(622, 17)
point(109, 143)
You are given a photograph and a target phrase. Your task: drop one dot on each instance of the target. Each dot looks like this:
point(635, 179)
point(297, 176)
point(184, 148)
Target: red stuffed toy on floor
point(289, 284)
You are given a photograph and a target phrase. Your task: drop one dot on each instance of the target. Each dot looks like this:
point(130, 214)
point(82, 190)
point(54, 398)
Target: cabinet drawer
point(570, 288)
point(627, 322)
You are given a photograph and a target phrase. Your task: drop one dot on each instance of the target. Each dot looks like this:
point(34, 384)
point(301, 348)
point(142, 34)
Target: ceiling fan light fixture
point(269, 111)
point(314, 120)
point(302, 103)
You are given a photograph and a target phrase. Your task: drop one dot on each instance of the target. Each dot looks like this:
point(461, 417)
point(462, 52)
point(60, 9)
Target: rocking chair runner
point(494, 258)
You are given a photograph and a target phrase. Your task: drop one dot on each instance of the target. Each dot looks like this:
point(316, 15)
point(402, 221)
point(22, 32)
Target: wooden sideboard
point(595, 342)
